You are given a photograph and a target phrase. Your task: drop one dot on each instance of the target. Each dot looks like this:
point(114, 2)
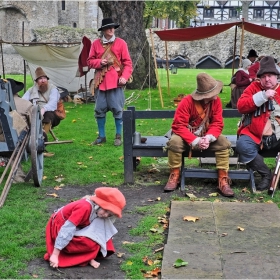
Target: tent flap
point(59, 63)
point(203, 32)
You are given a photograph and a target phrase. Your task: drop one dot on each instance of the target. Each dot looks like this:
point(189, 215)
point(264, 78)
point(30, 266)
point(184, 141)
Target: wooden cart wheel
point(36, 146)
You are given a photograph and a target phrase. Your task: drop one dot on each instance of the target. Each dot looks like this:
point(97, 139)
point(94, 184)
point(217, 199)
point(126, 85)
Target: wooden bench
point(154, 147)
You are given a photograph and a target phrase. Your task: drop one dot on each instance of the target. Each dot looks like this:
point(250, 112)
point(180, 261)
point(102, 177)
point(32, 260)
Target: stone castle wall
point(46, 21)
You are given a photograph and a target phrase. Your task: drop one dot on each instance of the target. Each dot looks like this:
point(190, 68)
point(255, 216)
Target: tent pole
point(234, 51)
point(241, 43)
point(3, 68)
point(158, 82)
point(167, 69)
point(24, 63)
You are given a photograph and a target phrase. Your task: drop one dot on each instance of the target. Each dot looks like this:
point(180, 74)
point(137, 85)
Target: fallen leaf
point(73, 121)
point(129, 263)
point(52, 194)
point(57, 188)
point(59, 179)
point(119, 255)
point(34, 275)
point(190, 195)
point(45, 177)
point(157, 182)
point(91, 157)
point(224, 234)
point(240, 228)
point(245, 190)
point(214, 194)
point(158, 199)
point(121, 158)
point(190, 218)
point(150, 262)
point(79, 163)
point(156, 271)
point(269, 201)
point(114, 174)
point(179, 263)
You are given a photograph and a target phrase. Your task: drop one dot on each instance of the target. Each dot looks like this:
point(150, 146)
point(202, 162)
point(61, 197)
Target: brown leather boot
point(173, 180)
point(224, 182)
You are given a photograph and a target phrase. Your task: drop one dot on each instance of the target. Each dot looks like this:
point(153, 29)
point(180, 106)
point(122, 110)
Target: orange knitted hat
point(110, 199)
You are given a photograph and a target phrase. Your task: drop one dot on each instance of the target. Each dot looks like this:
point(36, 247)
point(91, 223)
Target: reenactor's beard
point(43, 88)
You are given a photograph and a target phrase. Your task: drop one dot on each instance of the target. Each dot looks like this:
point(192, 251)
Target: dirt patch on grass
point(149, 187)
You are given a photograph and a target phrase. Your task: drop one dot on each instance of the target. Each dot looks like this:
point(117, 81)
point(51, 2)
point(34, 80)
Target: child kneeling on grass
point(81, 231)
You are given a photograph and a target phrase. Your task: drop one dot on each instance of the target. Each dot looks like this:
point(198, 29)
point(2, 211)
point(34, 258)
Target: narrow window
point(63, 5)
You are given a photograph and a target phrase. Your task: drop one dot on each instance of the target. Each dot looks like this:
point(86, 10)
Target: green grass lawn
point(25, 212)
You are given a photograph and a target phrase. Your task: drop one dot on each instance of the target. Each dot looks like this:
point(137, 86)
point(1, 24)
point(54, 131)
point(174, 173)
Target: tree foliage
point(179, 11)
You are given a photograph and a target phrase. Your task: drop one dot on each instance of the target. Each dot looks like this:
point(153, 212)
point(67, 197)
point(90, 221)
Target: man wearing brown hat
point(110, 58)
point(260, 128)
point(45, 95)
point(198, 124)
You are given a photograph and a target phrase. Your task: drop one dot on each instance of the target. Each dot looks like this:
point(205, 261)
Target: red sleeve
point(242, 79)
point(245, 103)
point(78, 212)
point(253, 69)
point(186, 112)
point(95, 54)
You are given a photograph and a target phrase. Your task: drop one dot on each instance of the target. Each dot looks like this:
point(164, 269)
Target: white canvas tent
point(59, 63)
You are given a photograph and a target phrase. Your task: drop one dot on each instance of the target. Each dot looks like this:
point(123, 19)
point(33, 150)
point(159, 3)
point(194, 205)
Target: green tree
point(179, 11)
point(129, 14)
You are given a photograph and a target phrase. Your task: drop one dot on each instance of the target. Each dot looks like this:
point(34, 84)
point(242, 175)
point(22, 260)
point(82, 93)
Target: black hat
point(108, 22)
point(252, 53)
point(267, 65)
point(16, 86)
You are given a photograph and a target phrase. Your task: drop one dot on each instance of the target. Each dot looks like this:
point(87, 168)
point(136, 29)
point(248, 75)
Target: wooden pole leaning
point(167, 68)
point(234, 52)
point(241, 43)
point(155, 62)
point(14, 162)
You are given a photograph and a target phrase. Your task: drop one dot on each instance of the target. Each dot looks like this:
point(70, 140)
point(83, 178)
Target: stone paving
point(215, 248)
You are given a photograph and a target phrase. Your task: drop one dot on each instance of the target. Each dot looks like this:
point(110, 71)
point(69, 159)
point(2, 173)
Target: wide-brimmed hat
point(39, 72)
point(267, 65)
point(207, 87)
point(110, 199)
point(252, 53)
point(16, 86)
point(108, 22)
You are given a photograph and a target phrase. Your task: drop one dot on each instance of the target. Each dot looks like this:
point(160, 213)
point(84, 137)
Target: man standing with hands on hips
point(110, 58)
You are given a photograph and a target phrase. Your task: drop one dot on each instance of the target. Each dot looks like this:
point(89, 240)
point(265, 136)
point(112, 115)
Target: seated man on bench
point(198, 124)
point(259, 129)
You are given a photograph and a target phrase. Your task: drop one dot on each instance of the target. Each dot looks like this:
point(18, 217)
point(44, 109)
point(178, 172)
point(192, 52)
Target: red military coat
point(120, 49)
point(186, 114)
point(246, 105)
point(80, 250)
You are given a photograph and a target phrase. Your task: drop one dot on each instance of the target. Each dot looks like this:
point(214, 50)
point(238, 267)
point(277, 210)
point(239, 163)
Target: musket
point(276, 176)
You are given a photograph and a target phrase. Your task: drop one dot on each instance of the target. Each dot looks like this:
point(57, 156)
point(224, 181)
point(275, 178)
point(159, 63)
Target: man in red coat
point(198, 124)
point(259, 105)
point(110, 58)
